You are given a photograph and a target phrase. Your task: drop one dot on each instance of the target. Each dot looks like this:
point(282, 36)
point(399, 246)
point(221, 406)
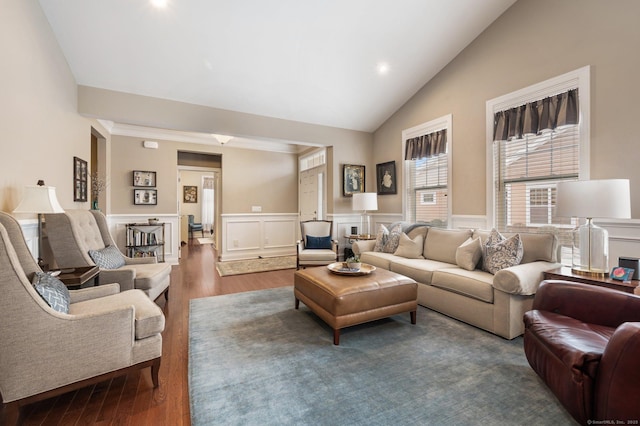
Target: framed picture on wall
point(144, 178)
point(386, 178)
point(190, 194)
point(80, 180)
point(145, 197)
point(352, 179)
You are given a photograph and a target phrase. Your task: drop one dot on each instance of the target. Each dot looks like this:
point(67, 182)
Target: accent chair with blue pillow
point(316, 246)
point(82, 238)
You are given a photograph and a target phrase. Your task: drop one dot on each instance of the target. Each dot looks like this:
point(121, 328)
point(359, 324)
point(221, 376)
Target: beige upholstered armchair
point(74, 233)
point(45, 352)
point(317, 246)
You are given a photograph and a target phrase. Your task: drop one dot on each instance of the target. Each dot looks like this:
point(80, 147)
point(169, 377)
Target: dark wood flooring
point(131, 399)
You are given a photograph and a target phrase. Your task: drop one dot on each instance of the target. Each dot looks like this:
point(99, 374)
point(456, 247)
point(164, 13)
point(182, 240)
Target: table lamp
point(365, 201)
point(39, 199)
point(607, 198)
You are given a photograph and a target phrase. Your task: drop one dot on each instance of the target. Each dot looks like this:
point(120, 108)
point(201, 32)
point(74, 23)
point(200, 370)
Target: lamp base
point(589, 272)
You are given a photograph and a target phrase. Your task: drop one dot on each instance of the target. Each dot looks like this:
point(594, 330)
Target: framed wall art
point(352, 179)
point(144, 178)
point(386, 178)
point(145, 197)
point(190, 194)
point(80, 181)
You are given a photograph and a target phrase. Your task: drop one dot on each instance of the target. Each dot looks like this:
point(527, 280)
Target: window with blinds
point(427, 191)
point(526, 173)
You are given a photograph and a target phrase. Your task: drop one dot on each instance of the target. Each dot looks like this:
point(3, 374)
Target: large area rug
point(249, 266)
point(255, 360)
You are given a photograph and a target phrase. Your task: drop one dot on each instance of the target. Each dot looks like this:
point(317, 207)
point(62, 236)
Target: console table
point(565, 273)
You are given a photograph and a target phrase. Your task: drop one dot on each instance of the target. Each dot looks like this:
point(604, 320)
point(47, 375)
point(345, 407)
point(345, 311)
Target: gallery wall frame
point(189, 194)
point(386, 178)
point(353, 179)
point(145, 197)
point(80, 179)
point(144, 178)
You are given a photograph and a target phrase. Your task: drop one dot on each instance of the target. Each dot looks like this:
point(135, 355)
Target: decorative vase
point(94, 205)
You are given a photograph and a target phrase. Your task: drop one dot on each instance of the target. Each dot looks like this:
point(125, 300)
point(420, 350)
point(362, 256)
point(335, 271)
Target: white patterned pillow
point(53, 291)
point(107, 258)
point(494, 238)
point(504, 254)
point(381, 238)
point(393, 240)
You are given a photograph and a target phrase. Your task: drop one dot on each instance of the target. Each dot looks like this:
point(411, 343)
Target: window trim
point(444, 122)
point(580, 78)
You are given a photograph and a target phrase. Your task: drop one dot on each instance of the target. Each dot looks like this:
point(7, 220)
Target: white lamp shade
point(39, 199)
point(606, 198)
point(365, 201)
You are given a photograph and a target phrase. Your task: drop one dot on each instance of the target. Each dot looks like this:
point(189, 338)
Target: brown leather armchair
point(584, 342)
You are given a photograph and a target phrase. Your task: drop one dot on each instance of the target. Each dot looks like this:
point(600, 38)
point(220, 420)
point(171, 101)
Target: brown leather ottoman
point(342, 301)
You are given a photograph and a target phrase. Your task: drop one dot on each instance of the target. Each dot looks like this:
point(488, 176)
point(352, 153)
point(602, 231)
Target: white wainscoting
point(117, 223)
point(30, 232)
point(250, 235)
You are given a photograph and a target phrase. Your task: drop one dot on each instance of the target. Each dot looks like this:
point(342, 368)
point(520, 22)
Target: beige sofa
point(495, 303)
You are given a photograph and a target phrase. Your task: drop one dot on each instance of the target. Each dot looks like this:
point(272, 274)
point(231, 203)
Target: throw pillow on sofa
point(393, 239)
point(494, 238)
point(381, 238)
point(53, 291)
point(410, 248)
point(469, 254)
point(504, 254)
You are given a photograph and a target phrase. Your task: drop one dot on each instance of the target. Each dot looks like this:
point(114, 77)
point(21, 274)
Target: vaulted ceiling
point(342, 63)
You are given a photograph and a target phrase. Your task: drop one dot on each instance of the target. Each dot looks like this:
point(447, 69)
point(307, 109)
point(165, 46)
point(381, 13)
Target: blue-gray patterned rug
point(255, 360)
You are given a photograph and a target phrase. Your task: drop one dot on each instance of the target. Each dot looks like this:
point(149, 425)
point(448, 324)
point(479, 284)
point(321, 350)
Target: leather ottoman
point(342, 301)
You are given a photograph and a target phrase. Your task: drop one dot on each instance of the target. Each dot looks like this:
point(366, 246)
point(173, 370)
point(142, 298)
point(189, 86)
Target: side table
point(565, 273)
point(75, 278)
point(353, 238)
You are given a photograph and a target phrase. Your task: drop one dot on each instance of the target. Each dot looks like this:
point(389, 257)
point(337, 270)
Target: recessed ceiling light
point(161, 4)
point(383, 68)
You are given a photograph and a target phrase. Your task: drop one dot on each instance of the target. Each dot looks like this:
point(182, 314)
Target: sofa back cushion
point(536, 246)
point(441, 244)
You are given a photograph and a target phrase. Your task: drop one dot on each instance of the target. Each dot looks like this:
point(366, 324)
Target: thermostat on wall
point(150, 144)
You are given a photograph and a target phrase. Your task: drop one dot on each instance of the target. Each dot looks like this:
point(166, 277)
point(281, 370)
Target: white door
point(311, 194)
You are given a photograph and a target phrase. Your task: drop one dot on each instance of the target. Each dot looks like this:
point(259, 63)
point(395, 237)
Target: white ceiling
point(308, 61)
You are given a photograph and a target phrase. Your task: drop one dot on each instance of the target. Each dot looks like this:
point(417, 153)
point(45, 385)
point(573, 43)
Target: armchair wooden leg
point(155, 369)
point(10, 413)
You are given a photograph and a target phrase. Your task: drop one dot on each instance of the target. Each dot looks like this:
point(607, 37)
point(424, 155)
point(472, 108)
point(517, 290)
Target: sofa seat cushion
point(377, 259)
point(149, 319)
point(577, 344)
point(475, 284)
point(420, 270)
point(149, 275)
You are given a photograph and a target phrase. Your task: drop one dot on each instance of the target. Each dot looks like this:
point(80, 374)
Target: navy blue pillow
point(318, 242)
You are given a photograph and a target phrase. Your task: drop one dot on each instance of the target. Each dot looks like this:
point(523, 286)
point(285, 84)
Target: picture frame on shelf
point(386, 178)
point(620, 273)
point(190, 194)
point(80, 179)
point(353, 179)
point(144, 178)
point(145, 197)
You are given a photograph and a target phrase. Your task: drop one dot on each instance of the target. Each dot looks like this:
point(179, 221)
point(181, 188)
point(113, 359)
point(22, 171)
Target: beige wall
point(40, 129)
point(249, 177)
point(532, 41)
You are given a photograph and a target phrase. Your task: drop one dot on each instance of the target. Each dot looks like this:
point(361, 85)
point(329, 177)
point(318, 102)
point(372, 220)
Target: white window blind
point(427, 192)
point(528, 170)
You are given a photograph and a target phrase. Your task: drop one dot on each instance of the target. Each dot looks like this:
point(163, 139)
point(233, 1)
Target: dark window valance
point(534, 117)
point(426, 146)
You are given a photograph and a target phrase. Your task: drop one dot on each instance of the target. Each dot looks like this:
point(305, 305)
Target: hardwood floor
point(131, 399)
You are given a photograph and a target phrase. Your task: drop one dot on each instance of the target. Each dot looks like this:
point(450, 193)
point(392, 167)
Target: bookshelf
point(145, 240)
